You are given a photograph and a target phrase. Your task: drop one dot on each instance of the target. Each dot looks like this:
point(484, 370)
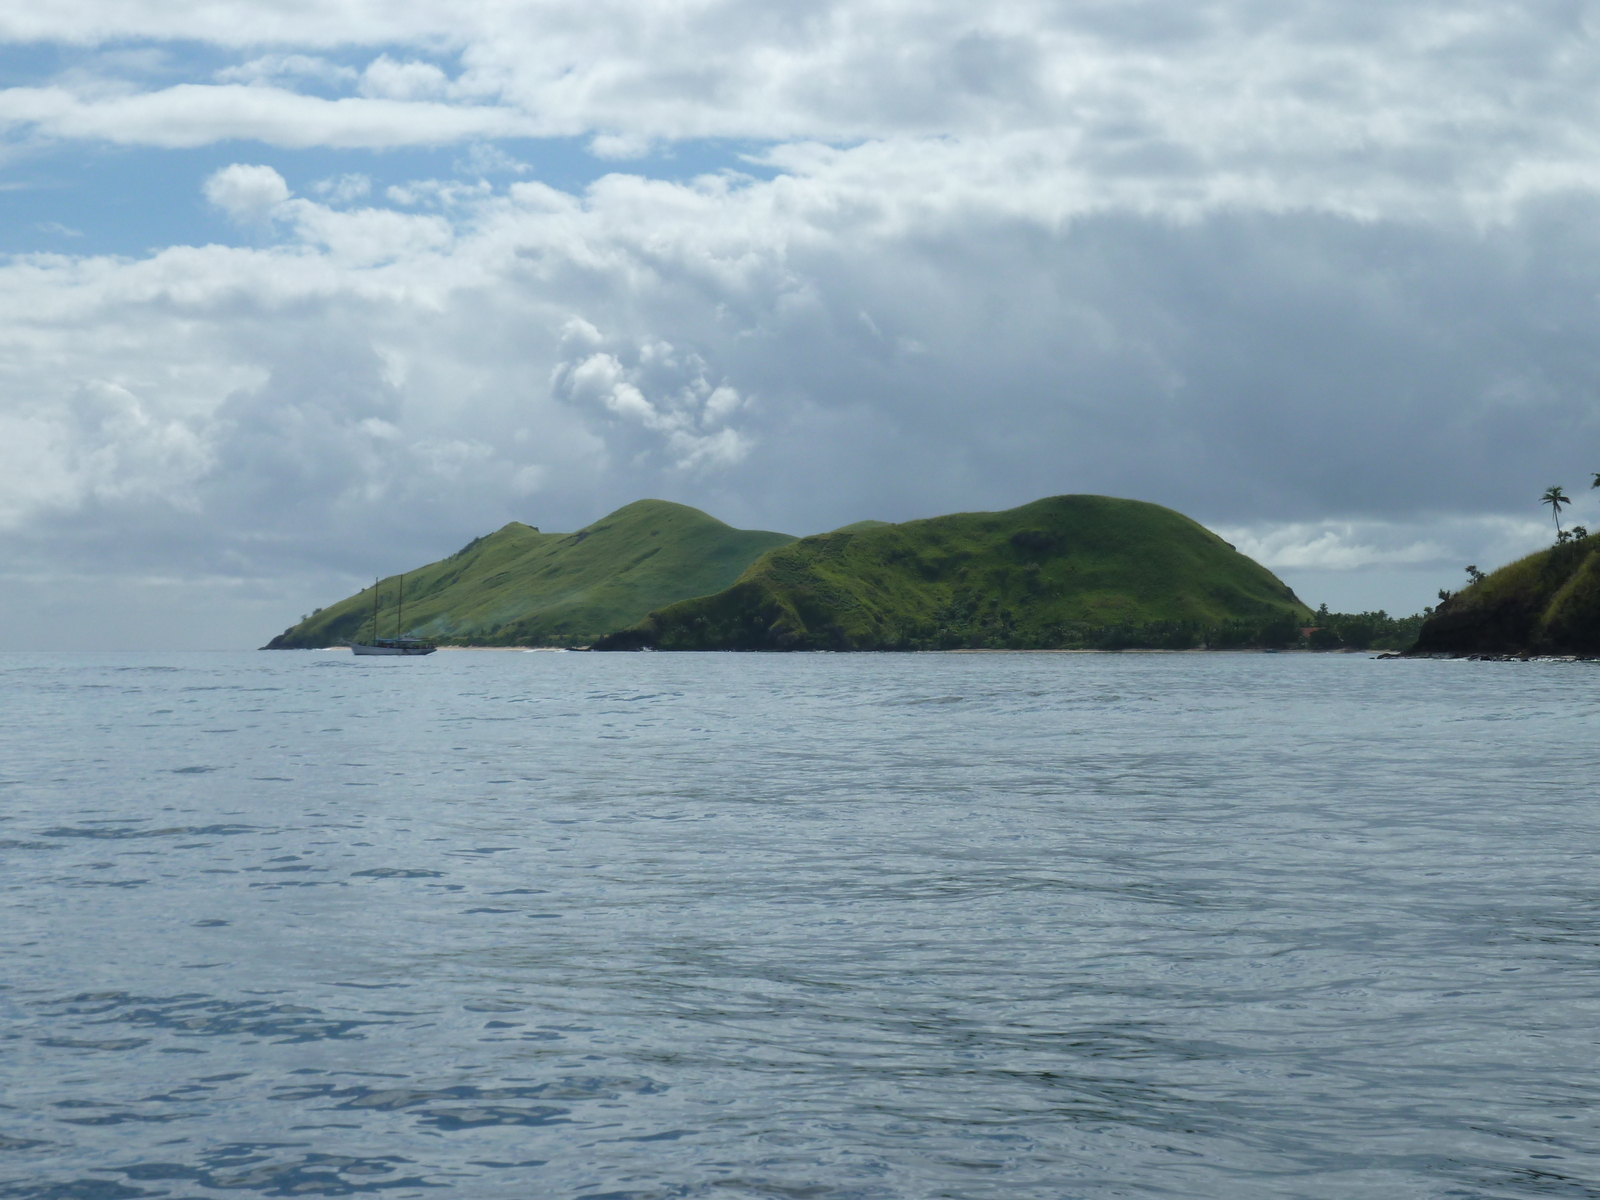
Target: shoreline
point(954, 650)
point(1370, 652)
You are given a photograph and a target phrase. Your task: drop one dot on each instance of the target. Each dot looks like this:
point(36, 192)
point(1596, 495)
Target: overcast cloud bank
point(1321, 277)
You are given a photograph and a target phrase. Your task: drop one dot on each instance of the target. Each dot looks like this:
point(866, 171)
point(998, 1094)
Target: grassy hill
point(520, 587)
point(1067, 571)
point(1547, 603)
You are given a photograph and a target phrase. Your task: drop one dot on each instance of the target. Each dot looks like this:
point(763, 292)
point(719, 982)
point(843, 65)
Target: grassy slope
point(518, 586)
point(858, 526)
point(1050, 573)
point(1546, 603)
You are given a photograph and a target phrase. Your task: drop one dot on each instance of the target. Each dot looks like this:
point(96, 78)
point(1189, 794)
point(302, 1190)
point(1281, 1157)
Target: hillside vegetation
point(520, 587)
point(1546, 603)
point(1069, 571)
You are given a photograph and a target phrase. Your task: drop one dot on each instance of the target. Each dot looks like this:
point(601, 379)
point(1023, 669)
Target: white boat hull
point(396, 651)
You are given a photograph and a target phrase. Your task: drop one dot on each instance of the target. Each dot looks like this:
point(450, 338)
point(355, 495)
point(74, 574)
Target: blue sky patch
point(102, 199)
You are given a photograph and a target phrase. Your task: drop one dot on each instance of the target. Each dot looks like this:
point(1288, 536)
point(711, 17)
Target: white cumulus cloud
point(403, 80)
point(248, 194)
point(685, 411)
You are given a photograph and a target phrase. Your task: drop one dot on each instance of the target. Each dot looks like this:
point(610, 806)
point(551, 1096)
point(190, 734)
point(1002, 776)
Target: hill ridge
point(520, 586)
point(1056, 572)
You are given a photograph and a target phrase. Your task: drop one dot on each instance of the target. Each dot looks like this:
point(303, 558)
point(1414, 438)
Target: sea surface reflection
point(653, 925)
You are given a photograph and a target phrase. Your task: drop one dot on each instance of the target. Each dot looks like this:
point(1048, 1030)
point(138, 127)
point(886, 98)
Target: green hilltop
point(1546, 603)
point(1068, 571)
point(520, 587)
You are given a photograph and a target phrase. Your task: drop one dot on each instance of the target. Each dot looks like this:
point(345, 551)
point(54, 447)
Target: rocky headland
point(1546, 605)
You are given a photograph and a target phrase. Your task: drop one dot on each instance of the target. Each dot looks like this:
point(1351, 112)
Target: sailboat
point(398, 644)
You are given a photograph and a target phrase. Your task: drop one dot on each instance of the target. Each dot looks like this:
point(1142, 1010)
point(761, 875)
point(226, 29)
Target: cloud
point(619, 147)
point(403, 80)
point(1320, 276)
point(1398, 565)
point(271, 68)
point(100, 445)
point(437, 193)
point(483, 158)
point(1340, 546)
point(189, 115)
point(661, 391)
point(735, 344)
point(1328, 106)
point(342, 189)
point(1429, 540)
point(248, 194)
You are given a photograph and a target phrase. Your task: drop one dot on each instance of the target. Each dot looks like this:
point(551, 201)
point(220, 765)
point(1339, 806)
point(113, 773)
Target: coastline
point(1370, 653)
point(954, 650)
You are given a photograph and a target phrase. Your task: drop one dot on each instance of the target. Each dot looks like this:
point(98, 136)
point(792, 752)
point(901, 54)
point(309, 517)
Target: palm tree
point(1556, 499)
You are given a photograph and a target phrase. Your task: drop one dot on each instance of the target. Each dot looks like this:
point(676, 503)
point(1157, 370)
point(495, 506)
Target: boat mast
point(374, 608)
point(400, 612)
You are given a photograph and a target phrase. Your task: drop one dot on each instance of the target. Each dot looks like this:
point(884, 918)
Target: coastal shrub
point(1363, 631)
point(1324, 638)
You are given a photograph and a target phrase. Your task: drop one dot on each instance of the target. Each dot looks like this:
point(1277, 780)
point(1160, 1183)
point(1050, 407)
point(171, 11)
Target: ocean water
point(490, 925)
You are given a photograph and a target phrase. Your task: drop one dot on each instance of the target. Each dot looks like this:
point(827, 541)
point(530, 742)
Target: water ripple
point(831, 926)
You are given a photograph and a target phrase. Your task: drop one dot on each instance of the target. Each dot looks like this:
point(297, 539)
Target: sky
point(297, 294)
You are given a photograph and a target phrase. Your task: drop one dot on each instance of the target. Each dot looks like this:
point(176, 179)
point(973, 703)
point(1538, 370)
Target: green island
point(1062, 573)
point(520, 587)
